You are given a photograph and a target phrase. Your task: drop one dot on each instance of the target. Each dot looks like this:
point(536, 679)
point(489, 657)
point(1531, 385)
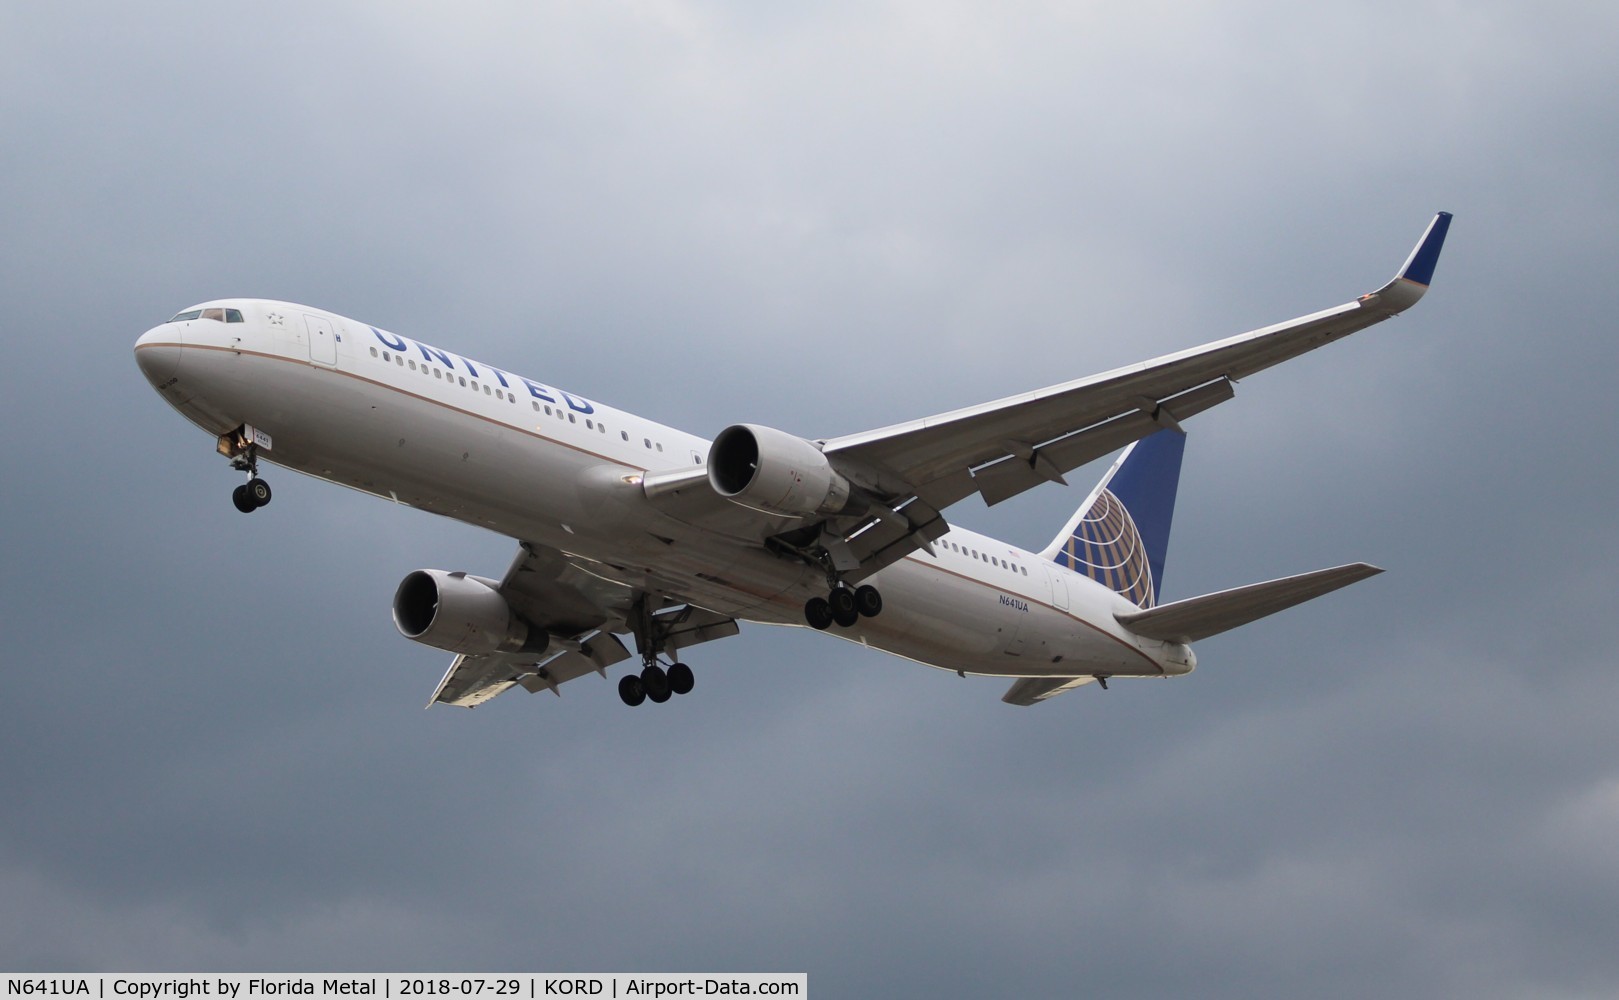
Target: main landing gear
point(653, 682)
point(843, 607)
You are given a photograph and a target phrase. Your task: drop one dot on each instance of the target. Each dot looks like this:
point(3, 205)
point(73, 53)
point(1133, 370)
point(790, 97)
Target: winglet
point(1415, 274)
point(1420, 265)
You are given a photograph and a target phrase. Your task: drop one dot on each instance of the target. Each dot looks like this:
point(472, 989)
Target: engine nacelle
point(462, 614)
point(773, 471)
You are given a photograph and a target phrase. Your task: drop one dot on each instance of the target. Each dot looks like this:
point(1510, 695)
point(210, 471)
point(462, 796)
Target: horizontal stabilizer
point(1200, 617)
point(1029, 690)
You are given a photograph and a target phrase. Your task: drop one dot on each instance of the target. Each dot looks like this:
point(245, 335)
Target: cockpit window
point(213, 312)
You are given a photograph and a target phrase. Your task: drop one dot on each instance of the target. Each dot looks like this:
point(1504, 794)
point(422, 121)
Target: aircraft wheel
point(656, 683)
point(243, 502)
point(258, 491)
point(818, 613)
point(681, 679)
point(868, 602)
point(630, 690)
point(845, 616)
point(841, 600)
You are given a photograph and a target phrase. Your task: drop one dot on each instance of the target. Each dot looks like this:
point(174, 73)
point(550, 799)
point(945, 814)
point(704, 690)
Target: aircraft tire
point(243, 502)
point(656, 683)
point(868, 601)
point(681, 679)
point(817, 613)
point(841, 600)
point(845, 617)
point(630, 690)
point(258, 491)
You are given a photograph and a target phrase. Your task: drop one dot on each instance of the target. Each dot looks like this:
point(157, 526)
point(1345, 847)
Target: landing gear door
point(322, 340)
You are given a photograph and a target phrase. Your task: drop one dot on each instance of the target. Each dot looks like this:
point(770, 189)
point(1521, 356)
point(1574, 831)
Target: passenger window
point(572, 419)
point(413, 366)
point(625, 435)
point(536, 406)
point(660, 445)
point(547, 410)
point(373, 352)
point(463, 381)
point(590, 425)
point(438, 373)
point(486, 390)
point(386, 356)
point(399, 359)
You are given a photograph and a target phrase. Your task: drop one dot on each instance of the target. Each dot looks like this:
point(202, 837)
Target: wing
point(580, 612)
point(1001, 448)
point(910, 472)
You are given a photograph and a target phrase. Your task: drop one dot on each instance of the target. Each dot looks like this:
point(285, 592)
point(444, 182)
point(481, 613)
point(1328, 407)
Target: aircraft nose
point(158, 353)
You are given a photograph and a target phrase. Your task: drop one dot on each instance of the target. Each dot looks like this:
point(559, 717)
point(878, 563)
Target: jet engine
point(461, 613)
point(773, 471)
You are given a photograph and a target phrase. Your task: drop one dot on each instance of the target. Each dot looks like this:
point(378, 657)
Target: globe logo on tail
point(1107, 547)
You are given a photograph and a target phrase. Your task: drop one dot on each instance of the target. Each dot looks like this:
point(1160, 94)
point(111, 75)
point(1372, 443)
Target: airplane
point(629, 528)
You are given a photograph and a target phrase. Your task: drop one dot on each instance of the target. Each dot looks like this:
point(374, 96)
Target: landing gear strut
point(244, 457)
point(843, 607)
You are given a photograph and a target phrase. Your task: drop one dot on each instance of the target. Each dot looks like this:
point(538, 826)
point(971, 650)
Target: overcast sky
point(827, 219)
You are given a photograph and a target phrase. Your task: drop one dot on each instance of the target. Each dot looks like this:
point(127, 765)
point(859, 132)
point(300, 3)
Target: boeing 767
point(628, 528)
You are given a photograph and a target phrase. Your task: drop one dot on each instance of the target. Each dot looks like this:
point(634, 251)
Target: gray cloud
point(826, 220)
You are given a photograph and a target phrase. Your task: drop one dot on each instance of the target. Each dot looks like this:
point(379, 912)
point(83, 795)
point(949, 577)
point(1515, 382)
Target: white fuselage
point(403, 420)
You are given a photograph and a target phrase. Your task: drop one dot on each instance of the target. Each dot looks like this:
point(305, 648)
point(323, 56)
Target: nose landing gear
point(250, 496)
point(241, 447)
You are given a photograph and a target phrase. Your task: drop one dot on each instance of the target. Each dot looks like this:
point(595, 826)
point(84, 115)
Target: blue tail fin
point(1121, 534)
